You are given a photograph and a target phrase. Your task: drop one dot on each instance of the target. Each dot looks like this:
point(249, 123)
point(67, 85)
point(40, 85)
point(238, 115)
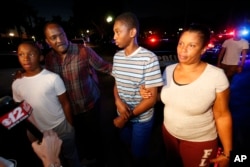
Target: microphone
point(12, 114)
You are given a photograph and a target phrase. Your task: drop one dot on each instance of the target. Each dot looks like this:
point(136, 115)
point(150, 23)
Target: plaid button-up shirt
point(78, 73)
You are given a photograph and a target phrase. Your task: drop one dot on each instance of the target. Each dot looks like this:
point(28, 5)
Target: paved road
point(14, 144)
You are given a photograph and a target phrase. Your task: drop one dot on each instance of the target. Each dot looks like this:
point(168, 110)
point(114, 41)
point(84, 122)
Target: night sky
point(49, 8)
point(169, 12)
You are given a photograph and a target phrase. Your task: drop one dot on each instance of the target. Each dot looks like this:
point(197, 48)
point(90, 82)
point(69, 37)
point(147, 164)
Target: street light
point(11, 34)
point(109, 19)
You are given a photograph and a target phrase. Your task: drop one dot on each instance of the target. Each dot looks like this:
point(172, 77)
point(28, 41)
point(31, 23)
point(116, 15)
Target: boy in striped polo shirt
point(134, 66)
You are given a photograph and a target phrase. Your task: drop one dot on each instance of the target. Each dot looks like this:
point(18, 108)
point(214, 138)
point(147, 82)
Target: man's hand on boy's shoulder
point(18, 74)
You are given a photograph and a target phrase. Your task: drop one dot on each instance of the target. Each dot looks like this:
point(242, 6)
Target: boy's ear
point(133, 32)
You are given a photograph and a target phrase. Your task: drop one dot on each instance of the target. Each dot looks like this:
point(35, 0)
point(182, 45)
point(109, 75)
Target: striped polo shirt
point(139, 68)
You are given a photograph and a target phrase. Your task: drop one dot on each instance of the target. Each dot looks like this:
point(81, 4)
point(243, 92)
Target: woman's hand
point(221, 160)
point(18, 74)
point(145, 93)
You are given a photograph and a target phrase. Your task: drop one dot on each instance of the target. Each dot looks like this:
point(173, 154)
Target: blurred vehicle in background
point(163, 46)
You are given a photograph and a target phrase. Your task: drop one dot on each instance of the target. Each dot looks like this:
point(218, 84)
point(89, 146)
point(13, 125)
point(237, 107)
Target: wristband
point(223, 154)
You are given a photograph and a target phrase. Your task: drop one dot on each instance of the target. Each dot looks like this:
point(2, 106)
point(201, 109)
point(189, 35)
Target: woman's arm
point(146, 93)
point(146, 103)
point(223, 120)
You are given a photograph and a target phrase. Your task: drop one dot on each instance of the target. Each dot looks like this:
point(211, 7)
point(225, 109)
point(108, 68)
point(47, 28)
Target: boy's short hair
point(34, 45)
point(130, 19)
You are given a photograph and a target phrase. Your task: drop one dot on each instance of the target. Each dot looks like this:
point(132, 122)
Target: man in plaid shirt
point(76, 64)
